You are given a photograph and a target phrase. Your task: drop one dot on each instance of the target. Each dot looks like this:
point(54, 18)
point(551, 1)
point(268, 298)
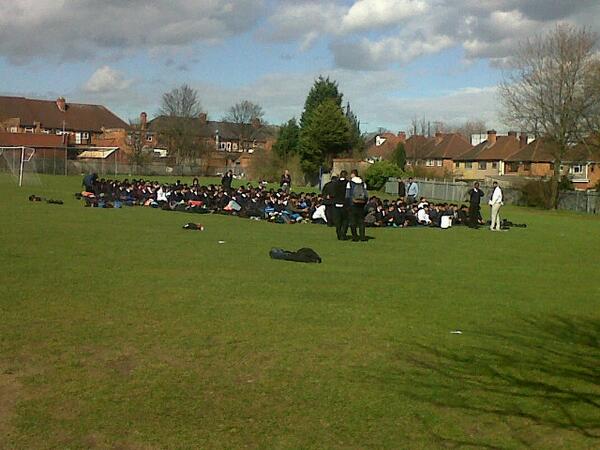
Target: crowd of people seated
point(261, 203)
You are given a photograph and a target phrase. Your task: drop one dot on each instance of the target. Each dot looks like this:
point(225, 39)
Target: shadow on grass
point(529, 388)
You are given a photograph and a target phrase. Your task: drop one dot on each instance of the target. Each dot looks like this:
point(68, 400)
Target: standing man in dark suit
point(328, 194)
point(340, 208)
point(475, 195)
point(227, 179)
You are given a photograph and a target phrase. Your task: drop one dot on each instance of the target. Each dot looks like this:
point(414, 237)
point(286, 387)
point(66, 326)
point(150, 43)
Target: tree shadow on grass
point(527, 388)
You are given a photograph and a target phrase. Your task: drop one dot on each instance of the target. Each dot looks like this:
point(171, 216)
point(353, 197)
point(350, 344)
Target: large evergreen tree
point(356, 139)
point(323, 89)
point(326, 135)
point(324, 128)
point(288, 141)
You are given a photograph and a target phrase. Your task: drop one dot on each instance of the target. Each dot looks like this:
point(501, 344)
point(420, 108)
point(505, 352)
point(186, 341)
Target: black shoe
point(355, 239)
point(364, 239)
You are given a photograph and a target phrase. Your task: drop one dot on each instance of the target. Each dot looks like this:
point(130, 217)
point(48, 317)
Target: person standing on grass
point(475, 195)
point(328, 194)
point(340, 208)
point(412, 191)
point(496, 202)
point(357, 196)
point(227, 179)
point(286, 181)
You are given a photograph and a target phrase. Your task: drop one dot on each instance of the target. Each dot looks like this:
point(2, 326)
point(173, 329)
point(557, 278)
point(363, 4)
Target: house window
point(457, 165)
point(438, 163)
point(408, 163)
point(28, 130)
point(429, 163)
point(468, 165)
point(577, 169)
point(222, 146)
point(494, 165)
point(46, 131)
point(229, 146)
point(234, 146)
point(149, 138)
point(85, 136)
point(482, 165)
point(14, 129)
point(78, 138)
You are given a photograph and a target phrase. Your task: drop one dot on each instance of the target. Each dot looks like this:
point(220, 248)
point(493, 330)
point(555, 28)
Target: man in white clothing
point(496, 202)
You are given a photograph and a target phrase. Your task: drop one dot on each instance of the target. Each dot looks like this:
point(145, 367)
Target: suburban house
point(487, 159)
point(581, 162)
point(81, 123)
point(228, 145)
point(532, 160)
point(435, 155)
point(381, 146)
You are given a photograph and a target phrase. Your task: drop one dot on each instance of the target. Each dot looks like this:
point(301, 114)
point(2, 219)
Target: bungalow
point(535, 159)
point(487, 159)
point(436, 155)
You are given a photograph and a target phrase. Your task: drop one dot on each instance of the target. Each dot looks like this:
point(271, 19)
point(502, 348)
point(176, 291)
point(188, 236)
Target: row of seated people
point(262, 203)
point(246, 201)
point(398, 214)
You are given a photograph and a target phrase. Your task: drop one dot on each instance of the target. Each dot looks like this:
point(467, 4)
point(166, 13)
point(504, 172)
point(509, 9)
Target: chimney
point(491, 137)
point(512, 134)
point(203, 118)
point(402, 136)
point(143, 121)
point(256, 123)
point(61, 103)
point(523, 140)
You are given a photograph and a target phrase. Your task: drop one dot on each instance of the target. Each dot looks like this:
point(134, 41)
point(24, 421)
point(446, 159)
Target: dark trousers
point(474, 215)
point(340, 218)
point(330, 215)
point(357, 221)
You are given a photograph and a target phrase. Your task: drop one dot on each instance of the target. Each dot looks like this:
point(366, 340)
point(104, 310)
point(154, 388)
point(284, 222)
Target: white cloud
point(106, 79)
point(68, 30)
point(372, 14)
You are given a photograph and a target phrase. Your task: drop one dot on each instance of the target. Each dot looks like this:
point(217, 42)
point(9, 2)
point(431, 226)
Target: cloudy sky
point(393, 59)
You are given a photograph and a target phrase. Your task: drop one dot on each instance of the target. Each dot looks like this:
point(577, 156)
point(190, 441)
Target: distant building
point(82, 124)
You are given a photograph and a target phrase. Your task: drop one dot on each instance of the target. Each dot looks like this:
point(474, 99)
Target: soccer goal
point(16, 159)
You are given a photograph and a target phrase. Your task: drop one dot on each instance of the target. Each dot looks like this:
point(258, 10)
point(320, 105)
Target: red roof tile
point(77, 117)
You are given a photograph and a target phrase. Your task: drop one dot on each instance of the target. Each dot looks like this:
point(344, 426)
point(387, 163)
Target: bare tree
point(246, 116)
point(550, 91)
point(180, 102)
point(138, 155)
point(469, 128)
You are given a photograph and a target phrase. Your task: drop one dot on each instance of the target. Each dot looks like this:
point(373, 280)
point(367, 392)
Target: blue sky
point(393, 59)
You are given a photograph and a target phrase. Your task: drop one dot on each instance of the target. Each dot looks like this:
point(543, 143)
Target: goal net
point(20, 163)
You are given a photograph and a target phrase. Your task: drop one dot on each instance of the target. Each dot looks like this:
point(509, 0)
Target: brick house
point(229, 145)
point(83, 124)
point(487, 159)
point(381, 146)
point(435, 155)
point(531, 160)
point(581, 163)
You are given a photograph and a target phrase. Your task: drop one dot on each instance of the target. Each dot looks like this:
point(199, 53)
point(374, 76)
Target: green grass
point(120, 330)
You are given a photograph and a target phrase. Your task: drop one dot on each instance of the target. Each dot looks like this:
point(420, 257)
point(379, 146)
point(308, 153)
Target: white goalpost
point(25, 155)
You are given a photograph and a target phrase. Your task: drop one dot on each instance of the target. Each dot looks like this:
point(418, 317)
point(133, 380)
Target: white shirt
point(497, 196)
point(320, 213)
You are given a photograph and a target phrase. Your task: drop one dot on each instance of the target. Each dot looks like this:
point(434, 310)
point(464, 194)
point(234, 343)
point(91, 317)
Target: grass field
point(118, 329)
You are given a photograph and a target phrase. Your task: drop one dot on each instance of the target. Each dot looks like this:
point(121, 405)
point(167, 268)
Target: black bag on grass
point(306, 255)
